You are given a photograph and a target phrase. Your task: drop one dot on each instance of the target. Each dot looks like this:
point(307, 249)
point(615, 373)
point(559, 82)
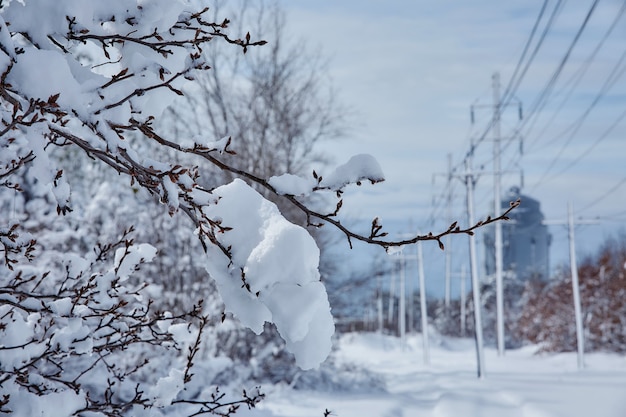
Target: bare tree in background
point(275, 102)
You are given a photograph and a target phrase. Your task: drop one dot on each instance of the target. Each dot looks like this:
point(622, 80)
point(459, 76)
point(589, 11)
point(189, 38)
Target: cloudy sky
point(411, 70)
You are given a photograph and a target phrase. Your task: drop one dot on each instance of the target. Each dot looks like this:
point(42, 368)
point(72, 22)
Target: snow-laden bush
point(548, 316)
point(78, 337)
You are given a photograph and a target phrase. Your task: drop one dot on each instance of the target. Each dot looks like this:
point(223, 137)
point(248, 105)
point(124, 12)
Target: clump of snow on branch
point(358, 168)
point(289, 184)
point(126, 259)
point(167, 388)
point(272, 274)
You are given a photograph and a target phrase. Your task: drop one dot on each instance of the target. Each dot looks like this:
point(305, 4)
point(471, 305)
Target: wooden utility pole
point(462, 299)
point(497, 208)
point(392, 297)
point(448, 238)
point(571, 223)
point(448, 245)
point(478, 322)
point(496, 213)
point(580, 337)
point(379, 304)
point(402, 258)
point(424, 311)
point(402, 302)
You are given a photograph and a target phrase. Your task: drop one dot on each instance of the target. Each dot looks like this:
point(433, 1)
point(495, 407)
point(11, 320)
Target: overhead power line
point(597, 200)
point(509, 91)
point(541, 100)
point(586, 152)
point(576, 125)
point(514, 82)
point(576, 78)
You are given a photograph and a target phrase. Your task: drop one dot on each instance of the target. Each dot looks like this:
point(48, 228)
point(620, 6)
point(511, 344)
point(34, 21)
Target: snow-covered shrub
point(77, 338)
point(548, 314)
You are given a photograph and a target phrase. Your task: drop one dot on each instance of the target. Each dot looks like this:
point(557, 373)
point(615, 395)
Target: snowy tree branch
point(373, 238)
point(111, 70)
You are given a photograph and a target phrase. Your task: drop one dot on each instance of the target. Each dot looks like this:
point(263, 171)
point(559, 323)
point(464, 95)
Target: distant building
point(525, 240)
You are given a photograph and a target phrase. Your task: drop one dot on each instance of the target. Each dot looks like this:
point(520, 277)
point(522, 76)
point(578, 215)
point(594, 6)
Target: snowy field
point(521, 383)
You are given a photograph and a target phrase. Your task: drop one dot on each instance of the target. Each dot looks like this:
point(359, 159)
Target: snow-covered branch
point(111, 68)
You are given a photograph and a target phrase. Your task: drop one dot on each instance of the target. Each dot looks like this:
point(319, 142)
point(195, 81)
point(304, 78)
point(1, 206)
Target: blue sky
point(409, 71)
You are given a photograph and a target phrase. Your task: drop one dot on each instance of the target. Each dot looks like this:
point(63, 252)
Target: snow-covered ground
point(522, 383)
